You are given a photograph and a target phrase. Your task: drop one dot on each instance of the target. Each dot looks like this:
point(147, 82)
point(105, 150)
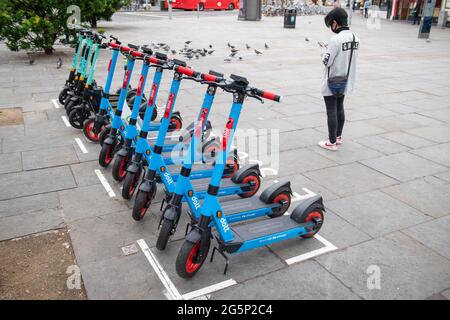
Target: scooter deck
point(262, 228)
point(201, 185)
point(231, 207)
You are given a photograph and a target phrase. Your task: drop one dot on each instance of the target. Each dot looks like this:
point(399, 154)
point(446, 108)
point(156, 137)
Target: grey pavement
point(386, 190)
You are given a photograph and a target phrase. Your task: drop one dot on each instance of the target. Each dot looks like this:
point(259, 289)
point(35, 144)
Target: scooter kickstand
point(223, 255)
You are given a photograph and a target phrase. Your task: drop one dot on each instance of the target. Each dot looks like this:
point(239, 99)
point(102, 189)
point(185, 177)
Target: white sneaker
point(328, 145)
point(338, 140)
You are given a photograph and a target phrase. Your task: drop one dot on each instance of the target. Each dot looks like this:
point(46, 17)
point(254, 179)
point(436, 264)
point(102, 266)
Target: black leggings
point(335, 115)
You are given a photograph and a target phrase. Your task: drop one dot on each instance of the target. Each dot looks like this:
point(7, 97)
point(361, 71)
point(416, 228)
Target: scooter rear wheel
point(164, 234)
point(106, 155)
point(119, 169)
point(140, 206)
point(176, 123)
point(257, 182)
point(186, 264)
point(282, 196)
point(309, 216)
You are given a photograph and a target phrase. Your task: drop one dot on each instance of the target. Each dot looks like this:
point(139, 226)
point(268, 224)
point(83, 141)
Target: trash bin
point(250, 10)
point(290, 16)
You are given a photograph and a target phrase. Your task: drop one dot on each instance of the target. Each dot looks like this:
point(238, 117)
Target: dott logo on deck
point(227, 133)
point(169, 106)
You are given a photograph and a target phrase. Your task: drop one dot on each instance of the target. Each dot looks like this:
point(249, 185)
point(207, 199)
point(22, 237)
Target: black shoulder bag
point(338, 84)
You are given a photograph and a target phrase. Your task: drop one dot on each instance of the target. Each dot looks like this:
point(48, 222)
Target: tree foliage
point(37, 24)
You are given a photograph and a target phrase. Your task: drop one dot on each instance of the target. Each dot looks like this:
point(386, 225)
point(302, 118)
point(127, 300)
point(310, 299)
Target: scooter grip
point(210, 77)
point(186, 71)
point(137, 54)
point(125, 49)
point(269, 95)
point(113, 45)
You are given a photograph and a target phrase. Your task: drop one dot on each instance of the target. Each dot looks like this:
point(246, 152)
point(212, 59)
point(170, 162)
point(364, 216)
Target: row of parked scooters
point(218, 192)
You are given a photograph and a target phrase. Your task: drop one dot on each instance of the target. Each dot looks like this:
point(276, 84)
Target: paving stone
point(242, 267)
point(446, 294)
point(408, 270)
point(404, 166)
point(431, 199)
point(365, 212)
point(298, 182)
point(362, 179)
point(49, 127)
point(426, 104)
point(440, 114)
point(399, 108)
point(123, 278)
point(306, 280)
point(49, 157)
point(78, 203)
point(393, 123)
point(34, 117)
point(433, 234)
point(28, 143)
point(439, 153)
point(408, 140)
point(28, 183)
point(299, 139)
point(365, 113)
point(435, 133)
point(19, 206)
point(381, 144)
point(102, 237)
point(10, 162)
point(38, 221)
point(84, 173)
point(354, 130)
point(348, 152)
point(444, 176)
point(12, 131)
point(301, 160)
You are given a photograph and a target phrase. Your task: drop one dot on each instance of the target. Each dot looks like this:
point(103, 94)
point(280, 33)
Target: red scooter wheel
point(188, 263)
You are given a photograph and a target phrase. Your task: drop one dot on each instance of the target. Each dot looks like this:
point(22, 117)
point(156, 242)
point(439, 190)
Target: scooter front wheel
point(119, 169)
point(129, 184)
point(77, 117)
point(164, 234)
point(88, 130)
point(104, 134)
point(188, 263)
point(141, 204)
point(63, 95)
point(106, 155)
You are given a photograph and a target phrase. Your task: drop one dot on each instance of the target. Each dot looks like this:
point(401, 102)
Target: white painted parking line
point(209, 289)
point(299, 197)
point(66, 122)
point(325, 241)
point(172, 292)
point(55, 103)
point(328, 248)
point(105, 183)
point(81, 145)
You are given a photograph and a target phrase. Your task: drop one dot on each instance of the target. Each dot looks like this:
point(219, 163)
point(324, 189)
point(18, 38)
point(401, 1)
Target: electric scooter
point(157, 168)
point(245, 182)
point(73, 68)
point(305, 221)
point(117, 131)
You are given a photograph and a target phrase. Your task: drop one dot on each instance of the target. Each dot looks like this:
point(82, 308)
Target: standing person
point(416, 12)
point(367, 4)
point(339, 58)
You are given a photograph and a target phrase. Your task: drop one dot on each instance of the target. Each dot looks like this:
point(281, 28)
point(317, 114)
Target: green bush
point(36, 25)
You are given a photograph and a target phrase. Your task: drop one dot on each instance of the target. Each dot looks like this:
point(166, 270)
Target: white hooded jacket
point(337, 57)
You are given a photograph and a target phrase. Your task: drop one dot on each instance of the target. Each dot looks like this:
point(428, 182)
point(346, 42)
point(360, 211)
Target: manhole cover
point(11, 116)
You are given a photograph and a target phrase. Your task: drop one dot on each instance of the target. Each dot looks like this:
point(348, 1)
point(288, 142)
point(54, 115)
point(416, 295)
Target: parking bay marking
point(56, 103)
point(105, 183)
point(66, 122)
point(81, 145)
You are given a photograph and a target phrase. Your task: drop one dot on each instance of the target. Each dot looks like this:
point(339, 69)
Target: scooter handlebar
point(113, 45)
point(195, 74)
point(186, 71)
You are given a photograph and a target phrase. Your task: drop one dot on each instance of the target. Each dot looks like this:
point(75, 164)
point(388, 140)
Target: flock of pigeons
point(190, 53)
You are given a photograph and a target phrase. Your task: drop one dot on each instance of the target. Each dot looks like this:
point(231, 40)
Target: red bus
point(204, 4)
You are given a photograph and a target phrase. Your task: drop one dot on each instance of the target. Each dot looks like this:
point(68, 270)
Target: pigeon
point(266, 46)
point(196, 56)
point(229, 45)
point(211, 51)
point(188, 42)
point(210, 46)
point(227, 59)
point(240, 58)
point(174, 51)
point(232, 54)
point(248, 47)
point(306, 39)
point(258, 52)
point(59, 64)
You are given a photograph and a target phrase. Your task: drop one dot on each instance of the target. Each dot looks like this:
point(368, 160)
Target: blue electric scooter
point(157, 168)
point(305, 221)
